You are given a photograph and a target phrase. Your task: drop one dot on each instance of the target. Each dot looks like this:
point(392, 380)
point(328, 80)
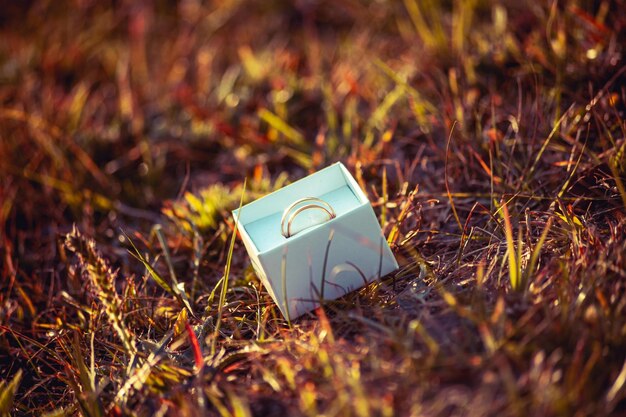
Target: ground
point(489, 137)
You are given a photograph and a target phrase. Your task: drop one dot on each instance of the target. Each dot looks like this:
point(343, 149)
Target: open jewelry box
point(317, 238)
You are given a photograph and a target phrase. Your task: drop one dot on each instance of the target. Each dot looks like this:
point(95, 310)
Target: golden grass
point(489, 136)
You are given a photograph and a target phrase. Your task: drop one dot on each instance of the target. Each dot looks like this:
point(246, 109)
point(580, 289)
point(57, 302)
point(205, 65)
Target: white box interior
point(261, 219)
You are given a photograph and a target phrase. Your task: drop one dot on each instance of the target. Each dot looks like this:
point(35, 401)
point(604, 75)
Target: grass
point(489, 136)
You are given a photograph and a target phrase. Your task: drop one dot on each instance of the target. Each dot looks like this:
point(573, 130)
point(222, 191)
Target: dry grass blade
point(138, 378)
point(545, 144)
point(515, 275)
point(534, 257)
point(7, 393)
point(450, 198)
point(617, 389)
point(87, 390)
point(102, 278)
point(177, 289)
point(61, 412)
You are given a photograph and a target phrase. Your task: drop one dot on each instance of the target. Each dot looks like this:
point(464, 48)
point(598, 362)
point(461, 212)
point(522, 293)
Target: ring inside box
point(261, 219)
point(266, 231)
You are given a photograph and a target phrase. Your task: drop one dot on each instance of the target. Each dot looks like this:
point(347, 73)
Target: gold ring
point(319, 204)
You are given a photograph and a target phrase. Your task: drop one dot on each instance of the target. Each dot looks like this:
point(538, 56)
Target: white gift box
point(335, 243)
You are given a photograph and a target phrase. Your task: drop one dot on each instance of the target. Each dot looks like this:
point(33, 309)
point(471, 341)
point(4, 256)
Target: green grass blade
point(220, 311)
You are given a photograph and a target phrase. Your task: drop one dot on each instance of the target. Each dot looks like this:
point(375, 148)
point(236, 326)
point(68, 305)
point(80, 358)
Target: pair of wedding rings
point(295, 208)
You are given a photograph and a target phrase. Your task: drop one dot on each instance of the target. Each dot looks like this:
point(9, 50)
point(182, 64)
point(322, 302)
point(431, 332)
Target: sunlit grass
point(489, 137)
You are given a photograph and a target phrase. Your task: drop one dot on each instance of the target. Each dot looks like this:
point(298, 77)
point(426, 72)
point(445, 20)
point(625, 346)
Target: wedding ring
point(289, 214)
